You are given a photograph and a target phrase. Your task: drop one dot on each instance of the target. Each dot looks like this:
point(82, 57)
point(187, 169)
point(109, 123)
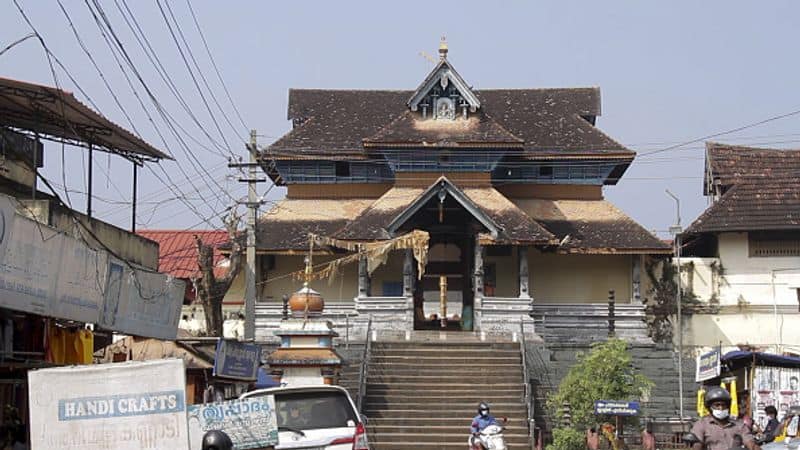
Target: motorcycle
point(490, 438)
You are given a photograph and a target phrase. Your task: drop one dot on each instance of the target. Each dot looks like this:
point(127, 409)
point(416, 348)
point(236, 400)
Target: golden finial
point(443, 48)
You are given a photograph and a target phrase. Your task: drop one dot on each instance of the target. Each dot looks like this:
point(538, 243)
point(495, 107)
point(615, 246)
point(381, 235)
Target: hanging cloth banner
point(376, 253)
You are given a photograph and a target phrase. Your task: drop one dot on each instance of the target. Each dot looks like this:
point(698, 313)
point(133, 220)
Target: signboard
point(119, 406)
point(8, 214)
point(80, 283)
point(708, 365)
point(141, 303)
point(616, 408)
point(237, 360)
point(250, 423)
point(29, 268)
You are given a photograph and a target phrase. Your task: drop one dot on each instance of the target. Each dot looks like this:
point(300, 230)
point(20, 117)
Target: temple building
point(507, 183)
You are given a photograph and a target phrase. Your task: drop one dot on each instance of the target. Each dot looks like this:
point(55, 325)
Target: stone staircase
point(549, 365)
point(423, 395)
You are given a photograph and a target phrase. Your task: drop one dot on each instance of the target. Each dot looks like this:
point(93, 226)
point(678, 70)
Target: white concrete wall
point(743, 280)
point(757, 298)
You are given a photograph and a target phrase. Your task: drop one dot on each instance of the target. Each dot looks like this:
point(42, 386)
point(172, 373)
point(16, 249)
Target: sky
point(669, 73)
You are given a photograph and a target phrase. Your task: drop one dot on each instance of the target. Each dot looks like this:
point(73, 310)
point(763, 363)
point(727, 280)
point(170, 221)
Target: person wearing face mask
point(717, 430)
point(482, 420)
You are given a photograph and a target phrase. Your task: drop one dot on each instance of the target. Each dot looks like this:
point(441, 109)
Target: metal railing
point(527, 392)
point(362, 372)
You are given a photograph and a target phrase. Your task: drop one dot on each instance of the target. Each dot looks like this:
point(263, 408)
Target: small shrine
point(306, 355)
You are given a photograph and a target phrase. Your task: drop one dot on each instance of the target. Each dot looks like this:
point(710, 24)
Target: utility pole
point(250, 273)
point(676, 230)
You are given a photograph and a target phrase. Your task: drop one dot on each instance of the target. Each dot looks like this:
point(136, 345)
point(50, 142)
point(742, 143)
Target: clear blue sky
point(669, 72)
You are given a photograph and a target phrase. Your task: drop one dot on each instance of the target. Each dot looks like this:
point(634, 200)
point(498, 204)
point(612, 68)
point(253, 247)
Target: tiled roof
point(732, 164)
point(760, 189)
point(549, 121)
point(764, 204)
point(177, 255)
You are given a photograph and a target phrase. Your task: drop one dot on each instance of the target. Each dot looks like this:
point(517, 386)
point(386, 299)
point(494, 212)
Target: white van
point(318, 417)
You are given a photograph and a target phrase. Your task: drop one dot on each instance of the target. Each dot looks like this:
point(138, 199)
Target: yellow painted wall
point(391, 271)
point(557, 278)
point(343, 288)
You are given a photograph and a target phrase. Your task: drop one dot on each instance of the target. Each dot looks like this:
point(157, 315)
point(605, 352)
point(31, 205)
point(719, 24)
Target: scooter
point(490, 438)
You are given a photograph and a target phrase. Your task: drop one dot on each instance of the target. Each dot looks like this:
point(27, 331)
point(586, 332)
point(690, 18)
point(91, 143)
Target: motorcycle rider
point(481, 421)
point(717, 431)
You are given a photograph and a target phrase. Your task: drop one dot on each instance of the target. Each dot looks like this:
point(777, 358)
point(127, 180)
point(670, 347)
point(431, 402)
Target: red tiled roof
point(177, 254)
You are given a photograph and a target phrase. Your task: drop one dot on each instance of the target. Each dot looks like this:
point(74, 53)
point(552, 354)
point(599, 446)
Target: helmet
point(717, 394)
point(482, 406)
point(217, 440)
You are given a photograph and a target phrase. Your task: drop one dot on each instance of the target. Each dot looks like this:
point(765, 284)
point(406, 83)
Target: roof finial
point(443, 48)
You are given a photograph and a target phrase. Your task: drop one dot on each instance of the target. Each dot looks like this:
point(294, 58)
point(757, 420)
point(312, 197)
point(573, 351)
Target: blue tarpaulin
point(740, 358)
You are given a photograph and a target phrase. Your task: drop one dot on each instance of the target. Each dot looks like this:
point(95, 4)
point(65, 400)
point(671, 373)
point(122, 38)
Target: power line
point(17, 42)
point(200, 72)
point(722, 133)
point(214, 64)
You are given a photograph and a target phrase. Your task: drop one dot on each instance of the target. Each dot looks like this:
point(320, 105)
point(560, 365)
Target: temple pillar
point(636, 279)
point(408, 273)
point(477, 274)
point(524, 292)
point(363, 278)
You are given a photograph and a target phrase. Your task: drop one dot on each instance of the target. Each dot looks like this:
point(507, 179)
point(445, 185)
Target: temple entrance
point(444, 297)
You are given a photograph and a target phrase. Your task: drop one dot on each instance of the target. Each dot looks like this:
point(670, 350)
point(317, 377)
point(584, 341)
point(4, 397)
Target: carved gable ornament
point(444, 95)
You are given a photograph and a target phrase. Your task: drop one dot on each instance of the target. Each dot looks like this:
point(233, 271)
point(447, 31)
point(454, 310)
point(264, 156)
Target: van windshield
point(314, 410)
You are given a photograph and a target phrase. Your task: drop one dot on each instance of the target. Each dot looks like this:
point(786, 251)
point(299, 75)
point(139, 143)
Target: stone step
point(379, 439)
point(513, 423)
point(480, 359)
point(373, 397)
point(425, 445)
point(478, 380)
point(457, 409)
point(466, 414)
point(435, 352)
point(504, 389)
point(445, 370)
point(444, 346)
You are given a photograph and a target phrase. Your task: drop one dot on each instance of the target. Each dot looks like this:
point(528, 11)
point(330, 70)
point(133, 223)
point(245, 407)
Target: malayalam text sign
point(616, 408)
point(708, 365)
point(250, 423)
point(118, 406)
point(237, 360)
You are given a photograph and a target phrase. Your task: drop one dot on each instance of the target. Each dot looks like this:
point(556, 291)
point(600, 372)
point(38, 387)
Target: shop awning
point(739, 358)
point(57, 115)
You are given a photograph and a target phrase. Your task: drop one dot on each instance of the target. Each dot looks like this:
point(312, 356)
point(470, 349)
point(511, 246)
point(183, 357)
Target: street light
point(676, 230)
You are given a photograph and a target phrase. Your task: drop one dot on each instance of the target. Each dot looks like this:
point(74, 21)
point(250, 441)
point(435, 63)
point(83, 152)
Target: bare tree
point(210, 289)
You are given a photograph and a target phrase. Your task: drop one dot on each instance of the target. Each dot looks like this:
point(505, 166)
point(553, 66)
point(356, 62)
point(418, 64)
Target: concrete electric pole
point(676, 230)
point(250, 273)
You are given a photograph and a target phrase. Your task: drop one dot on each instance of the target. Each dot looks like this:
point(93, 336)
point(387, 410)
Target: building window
point(342, 169)
point(773, 243)
point(545, 171)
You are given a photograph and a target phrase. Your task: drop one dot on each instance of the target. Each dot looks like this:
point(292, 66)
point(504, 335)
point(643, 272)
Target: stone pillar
point(636, 279)
point(408, 273)
point(363, 278)
point(477, 274)
point(523, 272)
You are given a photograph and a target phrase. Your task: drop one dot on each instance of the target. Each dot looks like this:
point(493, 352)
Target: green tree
point(567, 439)
point(605, 373)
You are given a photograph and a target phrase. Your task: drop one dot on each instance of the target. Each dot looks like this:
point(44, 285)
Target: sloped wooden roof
point(758, 204)
point(760, 189)
point(592, 226)
point(549, 121)
point(410, 131)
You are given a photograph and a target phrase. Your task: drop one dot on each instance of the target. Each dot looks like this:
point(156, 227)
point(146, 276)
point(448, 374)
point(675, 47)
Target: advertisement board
point(237, 360)
point(708, 365)
point(140, 302)
point(29, 268)
point(118, 406)
point(250, 423)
